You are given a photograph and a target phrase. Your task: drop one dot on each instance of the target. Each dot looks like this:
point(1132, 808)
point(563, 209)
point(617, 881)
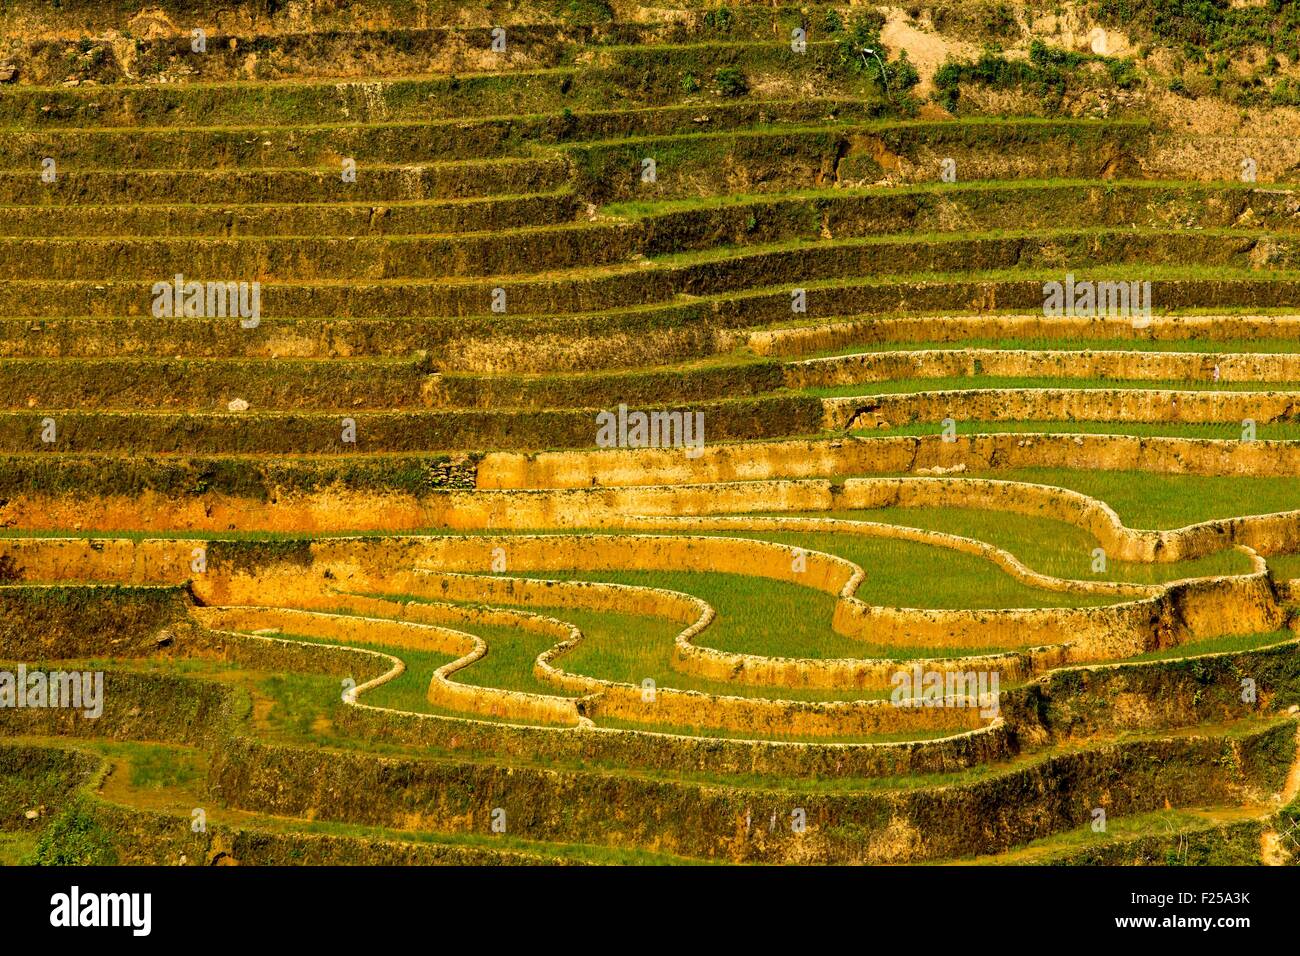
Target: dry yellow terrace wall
point(751, 461)
point(959, 328)
point(593, 507)
point(122, 560)
point(588, 595)
point(1018, 363)
point(850, 455)
point(755, 715)
point(732, 714)
point(627, 701)
point(383, 569)
point(851, 672)
point(588, 489)
point(1041, 501)
point(334, 509)
point(897, 532)
point(1091, 633)
point(341, 510)
point(863, 455)
point(603, 552)
point(308, 575)
point(1218, 157)
point(609, 699)
point(1266, 534)
point(346, 628)
point(605, 698)
point(1059, 404)
point(488, 701)
point(1165, 616)
point(385, 564)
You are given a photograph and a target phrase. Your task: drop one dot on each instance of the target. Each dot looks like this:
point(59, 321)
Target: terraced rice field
point(614, 434)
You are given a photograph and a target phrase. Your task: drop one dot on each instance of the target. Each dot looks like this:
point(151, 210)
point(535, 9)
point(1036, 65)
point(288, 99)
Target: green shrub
point(1199, 27)
point(721, 19)
point(902, 74)
point(863, 31)
point(586, 11)
point(1285, 93)
point(1123, 73)
point(75, 838)
point(731, 82)
point(947, 85)
point(1044, 57)
point(1048, 73)
point(999, 21)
